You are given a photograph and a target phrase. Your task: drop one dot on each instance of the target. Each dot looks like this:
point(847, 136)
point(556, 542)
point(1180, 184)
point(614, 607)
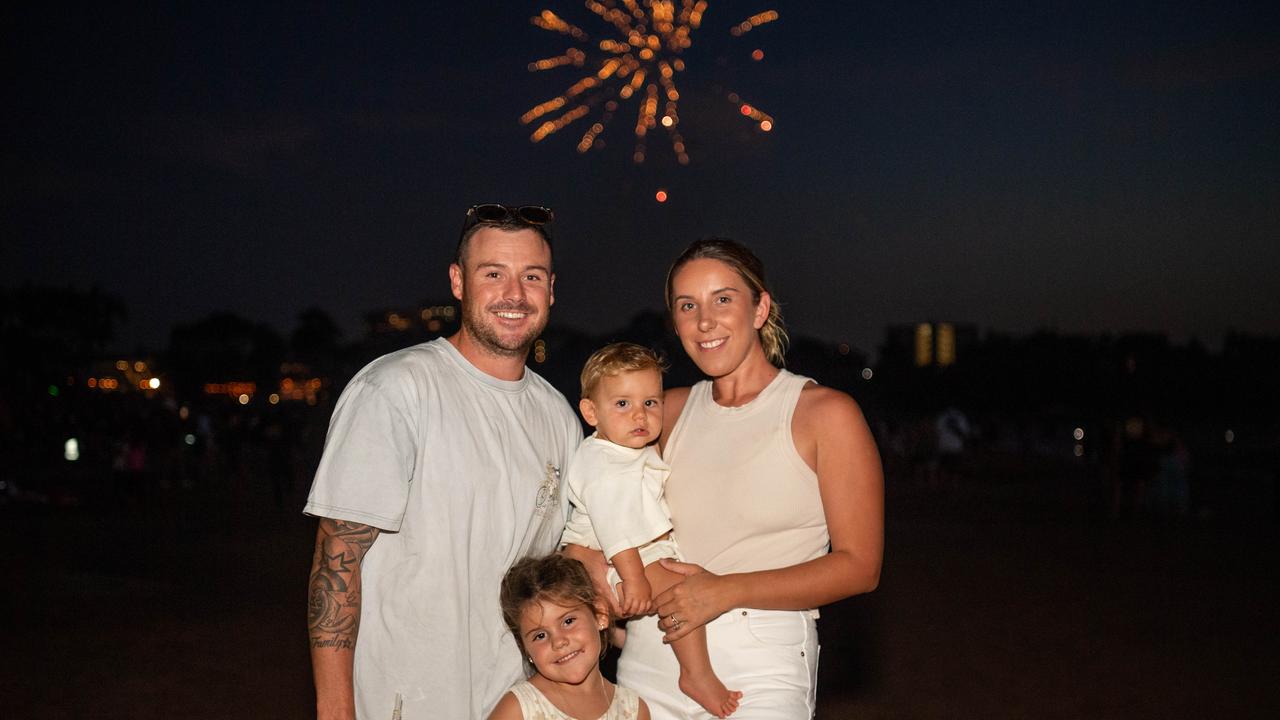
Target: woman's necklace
point(565, 706)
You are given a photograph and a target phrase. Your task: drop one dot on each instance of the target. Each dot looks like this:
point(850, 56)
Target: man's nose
point(514, 289)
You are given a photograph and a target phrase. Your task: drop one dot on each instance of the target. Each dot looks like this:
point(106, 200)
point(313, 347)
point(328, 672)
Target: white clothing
point(535, 706)
point(649, 554)
point(616, 497)
point(461, 471)
point(742, 499)
point(952, 428)
point(770, 655)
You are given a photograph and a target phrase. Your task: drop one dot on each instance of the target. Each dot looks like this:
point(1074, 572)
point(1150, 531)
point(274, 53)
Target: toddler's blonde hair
point(617, 358)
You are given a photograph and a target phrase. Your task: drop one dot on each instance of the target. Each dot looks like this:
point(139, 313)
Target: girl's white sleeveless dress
point(535, 706)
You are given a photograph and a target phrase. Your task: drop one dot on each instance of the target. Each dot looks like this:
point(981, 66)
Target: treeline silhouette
point(1145, 425)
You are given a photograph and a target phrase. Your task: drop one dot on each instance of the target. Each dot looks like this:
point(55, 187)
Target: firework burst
point(639, 60)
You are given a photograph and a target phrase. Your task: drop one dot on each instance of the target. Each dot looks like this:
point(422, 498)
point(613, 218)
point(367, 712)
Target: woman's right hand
point(598, 569)
point(695, 601)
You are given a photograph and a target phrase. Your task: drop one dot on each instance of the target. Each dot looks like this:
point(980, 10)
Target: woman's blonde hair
point(773, 334)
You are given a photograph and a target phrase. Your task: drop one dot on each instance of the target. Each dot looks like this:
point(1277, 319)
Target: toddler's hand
point(636, 597)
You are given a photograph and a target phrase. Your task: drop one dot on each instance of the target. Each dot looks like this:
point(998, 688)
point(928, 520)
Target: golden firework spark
point(640, 60)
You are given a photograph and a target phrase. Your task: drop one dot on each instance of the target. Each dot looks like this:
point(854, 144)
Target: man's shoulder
point(431, 352)
point(553, 398)
point(539, 383)
point(405, 363)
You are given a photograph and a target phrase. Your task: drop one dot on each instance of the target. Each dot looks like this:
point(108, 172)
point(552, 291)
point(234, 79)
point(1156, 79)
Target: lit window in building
point(946, 344)
point(924, 345)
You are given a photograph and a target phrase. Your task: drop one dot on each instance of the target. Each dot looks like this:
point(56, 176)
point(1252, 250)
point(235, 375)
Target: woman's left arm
point(833, 438)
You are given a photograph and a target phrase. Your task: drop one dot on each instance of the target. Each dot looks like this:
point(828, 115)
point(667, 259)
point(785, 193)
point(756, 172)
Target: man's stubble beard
point(474, 323)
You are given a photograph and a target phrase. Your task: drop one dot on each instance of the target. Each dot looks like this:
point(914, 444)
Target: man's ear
point(551, 291)
point(588, 410)
point(455, 280)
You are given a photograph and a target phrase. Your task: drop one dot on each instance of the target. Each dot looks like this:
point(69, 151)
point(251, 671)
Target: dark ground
point(1004, 599)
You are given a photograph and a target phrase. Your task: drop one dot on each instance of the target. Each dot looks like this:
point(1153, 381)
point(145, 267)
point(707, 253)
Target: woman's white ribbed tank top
point(741, 497)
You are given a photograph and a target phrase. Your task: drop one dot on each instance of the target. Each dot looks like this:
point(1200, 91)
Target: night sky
point(1085, 166)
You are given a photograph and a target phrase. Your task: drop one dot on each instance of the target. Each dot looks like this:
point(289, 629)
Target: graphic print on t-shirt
point(547, 492)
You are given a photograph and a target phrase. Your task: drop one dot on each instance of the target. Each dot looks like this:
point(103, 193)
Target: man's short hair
point(615, 359)
point(510, 224)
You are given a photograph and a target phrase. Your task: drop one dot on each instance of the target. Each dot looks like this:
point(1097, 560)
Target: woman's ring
point(672, 619)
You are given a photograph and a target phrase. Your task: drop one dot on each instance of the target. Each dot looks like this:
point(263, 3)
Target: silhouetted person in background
point(1171, 494)
point(1135, 465)
point(952, 431)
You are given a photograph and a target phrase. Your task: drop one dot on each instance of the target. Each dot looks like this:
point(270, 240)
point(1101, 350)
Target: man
point(441, 468)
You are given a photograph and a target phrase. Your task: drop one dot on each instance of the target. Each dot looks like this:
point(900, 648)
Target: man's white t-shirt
point(462, 472)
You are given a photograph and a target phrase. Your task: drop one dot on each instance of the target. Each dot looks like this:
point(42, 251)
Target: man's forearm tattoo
point(333, 608)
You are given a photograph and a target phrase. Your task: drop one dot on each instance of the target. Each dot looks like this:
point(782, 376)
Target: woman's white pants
point(770, 655)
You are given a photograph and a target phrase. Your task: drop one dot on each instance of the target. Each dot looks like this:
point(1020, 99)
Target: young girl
point(552, 610)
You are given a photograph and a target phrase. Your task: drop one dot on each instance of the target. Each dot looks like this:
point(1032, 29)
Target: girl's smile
point(562, 640)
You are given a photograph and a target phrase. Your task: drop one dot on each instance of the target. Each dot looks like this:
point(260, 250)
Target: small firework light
point(639, 61)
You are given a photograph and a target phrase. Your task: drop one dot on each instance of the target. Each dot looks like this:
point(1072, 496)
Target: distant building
point(927, 344)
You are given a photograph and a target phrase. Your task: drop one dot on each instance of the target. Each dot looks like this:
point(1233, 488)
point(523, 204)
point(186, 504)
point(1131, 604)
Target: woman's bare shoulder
point(673, 400)
point(822, 399)
point(821, 408)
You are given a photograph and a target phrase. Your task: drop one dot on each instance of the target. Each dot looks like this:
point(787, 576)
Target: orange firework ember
point(641, 59)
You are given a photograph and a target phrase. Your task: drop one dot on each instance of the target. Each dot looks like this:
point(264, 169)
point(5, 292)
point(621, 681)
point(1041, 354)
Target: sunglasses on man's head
point(495, 213)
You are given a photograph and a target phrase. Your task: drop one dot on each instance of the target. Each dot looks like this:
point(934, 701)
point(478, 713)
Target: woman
point(776, 499)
